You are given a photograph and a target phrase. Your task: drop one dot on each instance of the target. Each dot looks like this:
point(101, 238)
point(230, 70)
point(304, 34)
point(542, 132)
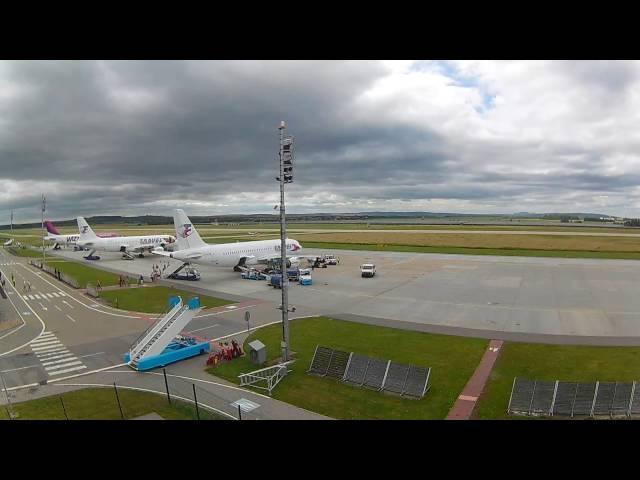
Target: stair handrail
point(177, 307)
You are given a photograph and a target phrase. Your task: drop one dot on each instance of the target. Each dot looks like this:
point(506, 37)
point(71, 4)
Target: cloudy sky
point(131, 137)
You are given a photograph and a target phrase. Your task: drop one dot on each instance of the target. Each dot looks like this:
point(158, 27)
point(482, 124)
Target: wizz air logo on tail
point(186, 230)
point(84, 229)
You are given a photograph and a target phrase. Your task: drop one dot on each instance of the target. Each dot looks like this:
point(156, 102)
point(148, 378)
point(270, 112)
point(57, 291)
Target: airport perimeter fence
point(168, 396)
point(54, 272)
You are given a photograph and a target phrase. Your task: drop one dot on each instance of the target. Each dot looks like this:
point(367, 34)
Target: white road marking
point(25, 297)
point(205, 328)
point(44, 338)
point(31, 297)
point(44, 356)
point(43, 342)
point(47, 344)
point(37, 296)
point(46, 349)
point(49, 295)
point(64, 365)
point(60, 372)
point(62, 361)
point(56, 356)
point(59, 309)
point(55, 294)
point(21, 368)
point(43, 307)
point(62, 294)
point(70, 318)
point(67, 304)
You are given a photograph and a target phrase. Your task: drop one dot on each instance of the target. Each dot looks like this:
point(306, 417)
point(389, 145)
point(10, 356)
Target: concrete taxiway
point(588, 299)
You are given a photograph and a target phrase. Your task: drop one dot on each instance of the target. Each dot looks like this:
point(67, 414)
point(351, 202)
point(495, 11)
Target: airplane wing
point(161, 252)
point(292, 258)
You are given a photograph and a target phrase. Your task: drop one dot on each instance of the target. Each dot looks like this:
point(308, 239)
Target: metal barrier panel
point(357, 369)
point(396, 378)
point(521, 396)
point(375, 373)
point(565, 397)
point(321, 360)
point(584, 399)
point(622, 399)
point(604, 399)
point(417, 381)
point(338, 364)
point(542, 398)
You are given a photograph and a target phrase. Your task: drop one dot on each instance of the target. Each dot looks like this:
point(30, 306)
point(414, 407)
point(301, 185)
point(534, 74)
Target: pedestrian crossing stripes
point(43, 296)
point(7, 264)
point(55, 358)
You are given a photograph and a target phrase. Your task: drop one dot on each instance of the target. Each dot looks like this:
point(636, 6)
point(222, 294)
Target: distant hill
point(306, 217)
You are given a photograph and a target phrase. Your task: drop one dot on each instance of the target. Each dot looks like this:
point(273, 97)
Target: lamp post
point(286, 176)
point(44, 207)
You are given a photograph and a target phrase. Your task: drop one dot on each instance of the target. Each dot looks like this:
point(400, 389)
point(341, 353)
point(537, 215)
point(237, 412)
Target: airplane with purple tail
point(67, 240)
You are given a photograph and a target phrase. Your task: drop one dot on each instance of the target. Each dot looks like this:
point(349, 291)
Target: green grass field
point(153, 299)
point(84, 274)
point(453, 360)
point(475, 251)
point(554, 362)
point(101, 404)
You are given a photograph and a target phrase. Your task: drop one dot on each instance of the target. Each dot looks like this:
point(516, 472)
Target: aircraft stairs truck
point(162, 344)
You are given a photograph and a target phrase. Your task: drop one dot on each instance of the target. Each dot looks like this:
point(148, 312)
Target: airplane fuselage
point(127, 244)
point(230, 254)
point(63, 239)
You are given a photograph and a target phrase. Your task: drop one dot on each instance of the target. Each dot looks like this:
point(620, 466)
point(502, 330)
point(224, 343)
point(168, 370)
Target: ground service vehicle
point(368, 269)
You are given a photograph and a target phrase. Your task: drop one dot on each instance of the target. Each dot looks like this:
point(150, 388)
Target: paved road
point(66, 333)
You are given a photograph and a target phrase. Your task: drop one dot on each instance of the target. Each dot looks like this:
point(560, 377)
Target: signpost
point(247, 316)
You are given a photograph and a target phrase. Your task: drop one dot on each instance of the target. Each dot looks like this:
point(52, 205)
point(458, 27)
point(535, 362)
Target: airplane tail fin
point(51, 228)
point(85, 229)
point(186, 234)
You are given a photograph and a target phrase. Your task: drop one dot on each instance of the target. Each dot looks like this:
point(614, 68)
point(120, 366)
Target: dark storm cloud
point(143, 137)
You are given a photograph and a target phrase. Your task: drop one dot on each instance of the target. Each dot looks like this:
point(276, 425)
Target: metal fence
point(168, 396)
point(53, 271)
point(570, 399)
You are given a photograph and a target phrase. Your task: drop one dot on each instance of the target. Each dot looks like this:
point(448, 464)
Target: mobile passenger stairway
point(161, 343)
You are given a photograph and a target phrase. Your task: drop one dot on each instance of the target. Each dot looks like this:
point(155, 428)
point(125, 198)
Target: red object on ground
point(467, 400)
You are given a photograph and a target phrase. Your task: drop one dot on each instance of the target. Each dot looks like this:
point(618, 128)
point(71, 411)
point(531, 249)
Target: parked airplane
point(67, 240)
point(192, 249)
point(127, 245)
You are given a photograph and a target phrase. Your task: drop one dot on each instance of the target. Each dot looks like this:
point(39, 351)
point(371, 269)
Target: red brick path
point(467, 400)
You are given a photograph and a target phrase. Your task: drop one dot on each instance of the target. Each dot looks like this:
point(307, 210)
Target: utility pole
point(11, 223)
point(44, 207)
point(286, 176)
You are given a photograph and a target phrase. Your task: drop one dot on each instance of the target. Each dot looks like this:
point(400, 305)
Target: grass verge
point(84, 274)
point(452, 359)
point(23, 252)
point(572, 363)
point(517, 252)
point(153, 299)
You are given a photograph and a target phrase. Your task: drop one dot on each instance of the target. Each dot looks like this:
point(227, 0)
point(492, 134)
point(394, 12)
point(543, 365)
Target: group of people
point(156, 271)
point(123, 281)
point(225, 352)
